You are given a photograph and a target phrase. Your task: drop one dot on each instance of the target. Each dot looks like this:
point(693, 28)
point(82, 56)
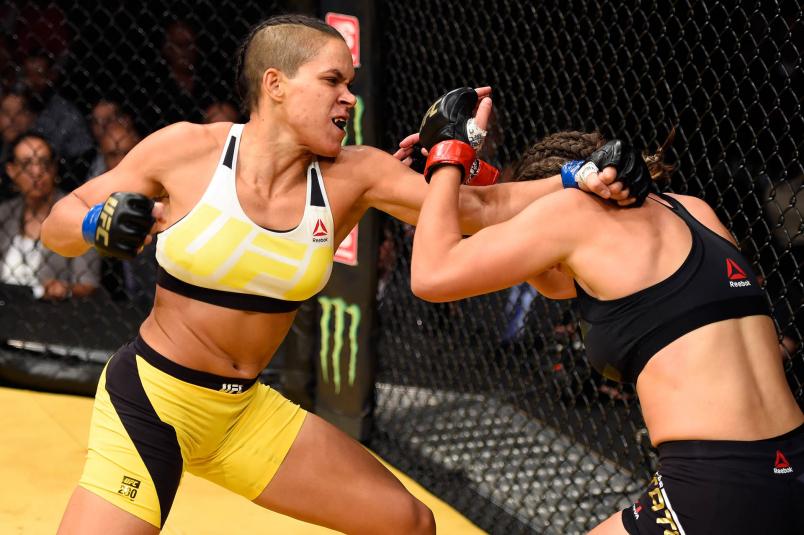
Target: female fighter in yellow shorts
point(248, 219)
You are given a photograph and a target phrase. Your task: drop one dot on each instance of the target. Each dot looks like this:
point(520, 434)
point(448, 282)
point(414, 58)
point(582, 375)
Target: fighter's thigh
point(331, 480)
point(134, 460)
point(89, 514)
point(611, 526)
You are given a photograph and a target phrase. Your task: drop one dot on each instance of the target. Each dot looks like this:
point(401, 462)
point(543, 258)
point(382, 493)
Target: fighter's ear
point(273, 84)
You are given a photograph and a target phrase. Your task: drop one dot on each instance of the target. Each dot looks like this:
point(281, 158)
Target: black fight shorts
point(724, 487)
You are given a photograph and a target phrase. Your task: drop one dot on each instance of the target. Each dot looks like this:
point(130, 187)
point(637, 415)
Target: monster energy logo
point(336, 310)
point(357, 125)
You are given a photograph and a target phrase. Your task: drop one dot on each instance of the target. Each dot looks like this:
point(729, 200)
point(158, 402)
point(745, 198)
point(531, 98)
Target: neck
point(269, 156)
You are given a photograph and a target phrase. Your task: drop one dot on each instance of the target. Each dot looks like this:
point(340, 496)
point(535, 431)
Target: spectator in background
point(129, 279)
point(117, 140)
point(16, 117)
point(104, 113)
point(59, 120)
point(221, 111)
point(34, 170)
point(172, 91)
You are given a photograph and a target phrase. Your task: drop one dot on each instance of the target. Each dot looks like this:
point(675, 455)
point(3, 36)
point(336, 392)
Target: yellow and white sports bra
point(218, 255)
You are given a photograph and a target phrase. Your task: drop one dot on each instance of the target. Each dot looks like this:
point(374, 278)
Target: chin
point(329, 151)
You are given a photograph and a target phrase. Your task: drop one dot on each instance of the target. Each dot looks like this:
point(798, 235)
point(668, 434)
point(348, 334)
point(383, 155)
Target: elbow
point(51, 235)
point(424, 284)
point(46, 234)
point(427, 292)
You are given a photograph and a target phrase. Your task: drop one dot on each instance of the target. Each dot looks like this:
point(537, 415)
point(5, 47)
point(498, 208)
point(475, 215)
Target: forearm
point(61, 230)
point(483, 206)
point(437, 231)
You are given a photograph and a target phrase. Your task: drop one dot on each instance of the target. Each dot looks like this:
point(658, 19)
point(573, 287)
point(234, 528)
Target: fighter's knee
point(419, 518)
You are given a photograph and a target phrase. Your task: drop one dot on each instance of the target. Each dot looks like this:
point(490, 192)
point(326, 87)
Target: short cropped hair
point(283, 42)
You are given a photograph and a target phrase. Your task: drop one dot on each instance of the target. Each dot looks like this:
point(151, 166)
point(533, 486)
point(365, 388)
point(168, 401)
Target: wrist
point(568, 171)
point(574, 173)
point(447, 172)
point(90, 224)
point(450, 152)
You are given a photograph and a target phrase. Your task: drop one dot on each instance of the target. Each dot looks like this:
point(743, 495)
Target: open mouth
point(340, 123)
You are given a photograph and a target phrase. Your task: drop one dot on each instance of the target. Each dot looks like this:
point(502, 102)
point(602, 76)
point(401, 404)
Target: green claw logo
point(335, 310)
point(357, 125)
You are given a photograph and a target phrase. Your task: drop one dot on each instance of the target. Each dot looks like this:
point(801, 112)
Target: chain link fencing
point(81, 84)
point(490, 402)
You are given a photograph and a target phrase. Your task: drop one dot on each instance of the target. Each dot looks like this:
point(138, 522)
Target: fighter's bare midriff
point(213, 339)
point(728, 379)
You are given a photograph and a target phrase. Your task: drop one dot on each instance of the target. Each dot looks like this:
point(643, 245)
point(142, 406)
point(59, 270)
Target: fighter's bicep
point(392, 187)
point(121, 178)
point(500, 256)
point(554, 284)
point(145, 168)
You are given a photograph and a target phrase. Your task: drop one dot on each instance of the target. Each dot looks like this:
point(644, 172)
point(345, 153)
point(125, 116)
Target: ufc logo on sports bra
point(226, 253)
point(231, 388)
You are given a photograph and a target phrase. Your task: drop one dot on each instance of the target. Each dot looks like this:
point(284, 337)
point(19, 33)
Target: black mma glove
point(118, 227)
point(450, 117)
point(631, 168)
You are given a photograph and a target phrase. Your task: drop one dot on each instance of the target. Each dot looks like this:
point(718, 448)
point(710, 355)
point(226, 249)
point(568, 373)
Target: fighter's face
point(33, 168)
point(319, 99)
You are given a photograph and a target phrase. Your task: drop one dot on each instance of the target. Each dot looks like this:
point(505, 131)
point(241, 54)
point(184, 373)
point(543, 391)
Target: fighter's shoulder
point(360, 160)
point(704, 213)
point(699, 208)
point(184, 141)
point(572, 201)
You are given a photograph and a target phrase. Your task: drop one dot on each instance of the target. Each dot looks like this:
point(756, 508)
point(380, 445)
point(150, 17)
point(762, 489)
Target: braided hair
point(546, 156)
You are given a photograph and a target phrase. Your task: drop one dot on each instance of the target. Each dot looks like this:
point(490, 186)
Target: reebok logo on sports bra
point(621, 335)
point(218, 255)
point(737, 277)
point(320, 234)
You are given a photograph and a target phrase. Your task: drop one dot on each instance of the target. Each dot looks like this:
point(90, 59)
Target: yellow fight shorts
point(153, 418)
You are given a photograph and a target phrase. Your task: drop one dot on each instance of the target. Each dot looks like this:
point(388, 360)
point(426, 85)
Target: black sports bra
point(714, 283)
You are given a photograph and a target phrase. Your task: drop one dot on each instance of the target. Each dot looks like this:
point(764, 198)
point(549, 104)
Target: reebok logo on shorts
point(637, 507)
point(781, 466)
point(737, 277)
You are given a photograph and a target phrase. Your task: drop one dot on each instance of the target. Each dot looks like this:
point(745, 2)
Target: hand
point(158, 213)
point(632, 172)
point(56, 290)
point(615, 171)
point(461, 114)
point(120, 226)
point(408, 149)
point(606, 185)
